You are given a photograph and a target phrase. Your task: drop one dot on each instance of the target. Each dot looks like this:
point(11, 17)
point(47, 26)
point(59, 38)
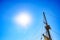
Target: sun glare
point(23, 19)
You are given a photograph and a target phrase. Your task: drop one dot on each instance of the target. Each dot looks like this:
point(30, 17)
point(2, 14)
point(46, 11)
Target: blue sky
point(10, 31)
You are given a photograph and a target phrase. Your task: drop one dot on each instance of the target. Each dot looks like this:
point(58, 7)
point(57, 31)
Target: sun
point(23, 19)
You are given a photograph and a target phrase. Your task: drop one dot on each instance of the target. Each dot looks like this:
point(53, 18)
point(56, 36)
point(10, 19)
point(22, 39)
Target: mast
point(47, 27)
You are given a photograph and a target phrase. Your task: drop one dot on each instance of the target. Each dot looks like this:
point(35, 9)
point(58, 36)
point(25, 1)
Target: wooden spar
point(47, 27)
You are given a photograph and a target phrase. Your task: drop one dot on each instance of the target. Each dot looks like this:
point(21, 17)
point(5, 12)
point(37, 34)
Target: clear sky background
point(10, 31)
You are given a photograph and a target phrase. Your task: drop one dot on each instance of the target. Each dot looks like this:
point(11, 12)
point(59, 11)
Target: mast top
point(45, 20)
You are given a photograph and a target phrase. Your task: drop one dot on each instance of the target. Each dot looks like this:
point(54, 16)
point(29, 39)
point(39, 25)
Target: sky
point(10, 31)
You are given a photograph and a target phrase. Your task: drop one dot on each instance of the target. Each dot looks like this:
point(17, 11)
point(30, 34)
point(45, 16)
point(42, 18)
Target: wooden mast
point(47, 27)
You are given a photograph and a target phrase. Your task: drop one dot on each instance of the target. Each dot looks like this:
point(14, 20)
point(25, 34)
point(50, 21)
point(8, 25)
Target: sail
point(45, 37)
